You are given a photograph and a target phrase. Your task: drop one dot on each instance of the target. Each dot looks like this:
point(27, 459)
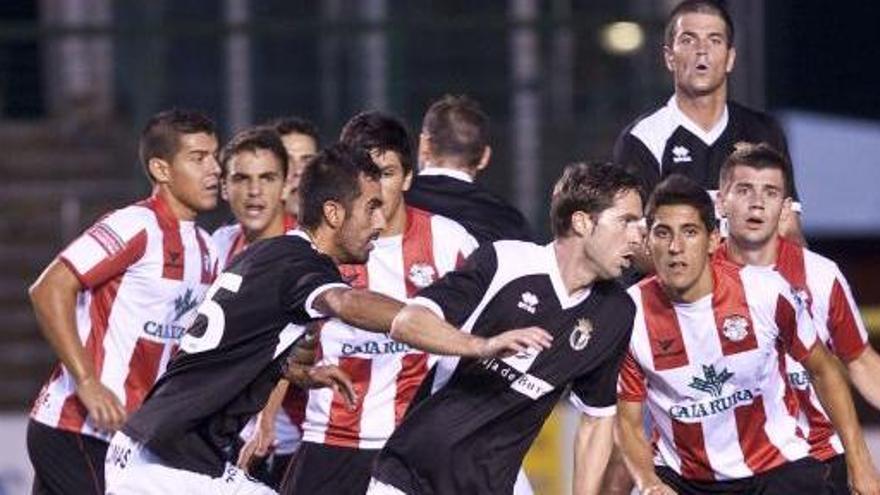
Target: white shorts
point(521, 487)
point(131, 469)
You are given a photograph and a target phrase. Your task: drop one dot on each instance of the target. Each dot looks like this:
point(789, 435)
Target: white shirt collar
point(448, 172)
point(566, 300)
point(683, 120)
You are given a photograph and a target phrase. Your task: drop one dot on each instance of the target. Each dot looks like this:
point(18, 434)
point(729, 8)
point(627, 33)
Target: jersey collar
point(683, 120)
point(447, 172)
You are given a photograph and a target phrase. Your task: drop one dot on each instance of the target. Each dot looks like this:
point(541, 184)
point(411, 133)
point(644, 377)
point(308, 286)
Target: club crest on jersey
point(581, 334)
point(680, 154)
point(735, 328)
point(528, 302)
point(421, 275)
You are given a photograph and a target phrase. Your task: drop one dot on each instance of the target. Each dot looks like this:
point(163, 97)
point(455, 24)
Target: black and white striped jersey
point(470, 435)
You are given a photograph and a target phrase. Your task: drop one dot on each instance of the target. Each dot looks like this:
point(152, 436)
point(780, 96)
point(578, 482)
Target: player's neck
point(577, 272)
point(448, 164)
point(704, 110)
point(274, 229)
point(177, 208)
point(397, 223)
point(323, 238)
point(745, 253)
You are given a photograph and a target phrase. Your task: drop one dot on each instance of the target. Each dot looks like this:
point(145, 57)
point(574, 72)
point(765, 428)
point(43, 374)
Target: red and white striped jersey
point(712, 374)
point(230, 240)
point(144, 273)
point(838, 325)
point(386, 373)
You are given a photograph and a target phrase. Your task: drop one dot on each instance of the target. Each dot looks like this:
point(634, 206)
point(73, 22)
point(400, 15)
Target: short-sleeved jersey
point(143, 273)
point(386, 373)
point(713, 373)
point(486, 216)
point(233, 355)
point(838, 325)
point(472, 433)
point(666, 142)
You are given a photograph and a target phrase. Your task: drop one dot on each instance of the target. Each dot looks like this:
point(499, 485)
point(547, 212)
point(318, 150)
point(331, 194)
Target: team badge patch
point(735, 328)
point(581, 334)
point(421, 275)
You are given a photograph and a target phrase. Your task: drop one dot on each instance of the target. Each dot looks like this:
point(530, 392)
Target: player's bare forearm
point(863, 371)
point(362, 308)
point(53, 297)
point(634, 446)
point(422, 329)
point(592, 448)
point(833, 391)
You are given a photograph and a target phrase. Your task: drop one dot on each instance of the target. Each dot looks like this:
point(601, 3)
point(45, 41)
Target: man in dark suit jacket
point(453, 149)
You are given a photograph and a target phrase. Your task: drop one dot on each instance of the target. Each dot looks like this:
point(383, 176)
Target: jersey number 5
point(215, 321)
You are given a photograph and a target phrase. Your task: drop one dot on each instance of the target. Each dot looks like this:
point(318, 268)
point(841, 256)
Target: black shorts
point(65, 462)
point(836, 475)
point(801, 476)
point(323, 469)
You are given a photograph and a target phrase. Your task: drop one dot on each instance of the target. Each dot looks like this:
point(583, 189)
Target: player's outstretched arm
point(419, 327)
point(833, 392)
point(262, 439)
point(863, 371)
point(362, 308)
point(53, 297)
point(636, 450)
point(592, 449)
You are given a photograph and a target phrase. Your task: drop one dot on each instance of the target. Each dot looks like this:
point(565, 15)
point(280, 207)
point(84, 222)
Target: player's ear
point(334, 214)
point(668, 58)
point(160, 170)
point(581, 223)
point(407, 180)
point(224, 192)
point(714, 240)
point(731, 59)
point(484, 159)
point(425, 151)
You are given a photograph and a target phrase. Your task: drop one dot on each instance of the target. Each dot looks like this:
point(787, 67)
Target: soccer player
point(236, 350)
point(254, 167)
point(115, 302)
point(453, 150)
point(696, 129)
point(708, 357)
point(300, 138)
point(753, 197)
point(471, 434)
point(413, 250)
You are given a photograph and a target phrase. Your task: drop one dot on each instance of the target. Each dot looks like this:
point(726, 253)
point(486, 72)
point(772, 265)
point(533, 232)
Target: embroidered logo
point(735, 328)
point(528, 302)
point(680, 154)
point(581, 334)
point(421, 275)
point(183, 304)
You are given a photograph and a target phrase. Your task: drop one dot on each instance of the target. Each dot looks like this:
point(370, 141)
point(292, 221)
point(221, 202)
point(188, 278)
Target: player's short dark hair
point(678, 189)
point(589, 187)
point(710, 7)
point(758, 156)
point(295, 125)
point(253, 139)
point(379, 131)
point(160, 138)
point(458, 129)
point(333, 175)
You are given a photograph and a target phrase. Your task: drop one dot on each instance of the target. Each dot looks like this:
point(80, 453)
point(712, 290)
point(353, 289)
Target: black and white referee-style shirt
point(666, 142)
point(234, 353)
point(471, 434)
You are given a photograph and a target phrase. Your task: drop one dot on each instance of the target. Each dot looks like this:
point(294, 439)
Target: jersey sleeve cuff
point(429, 304)
point(310, 301)
point(596, 412)
point(76, 273)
